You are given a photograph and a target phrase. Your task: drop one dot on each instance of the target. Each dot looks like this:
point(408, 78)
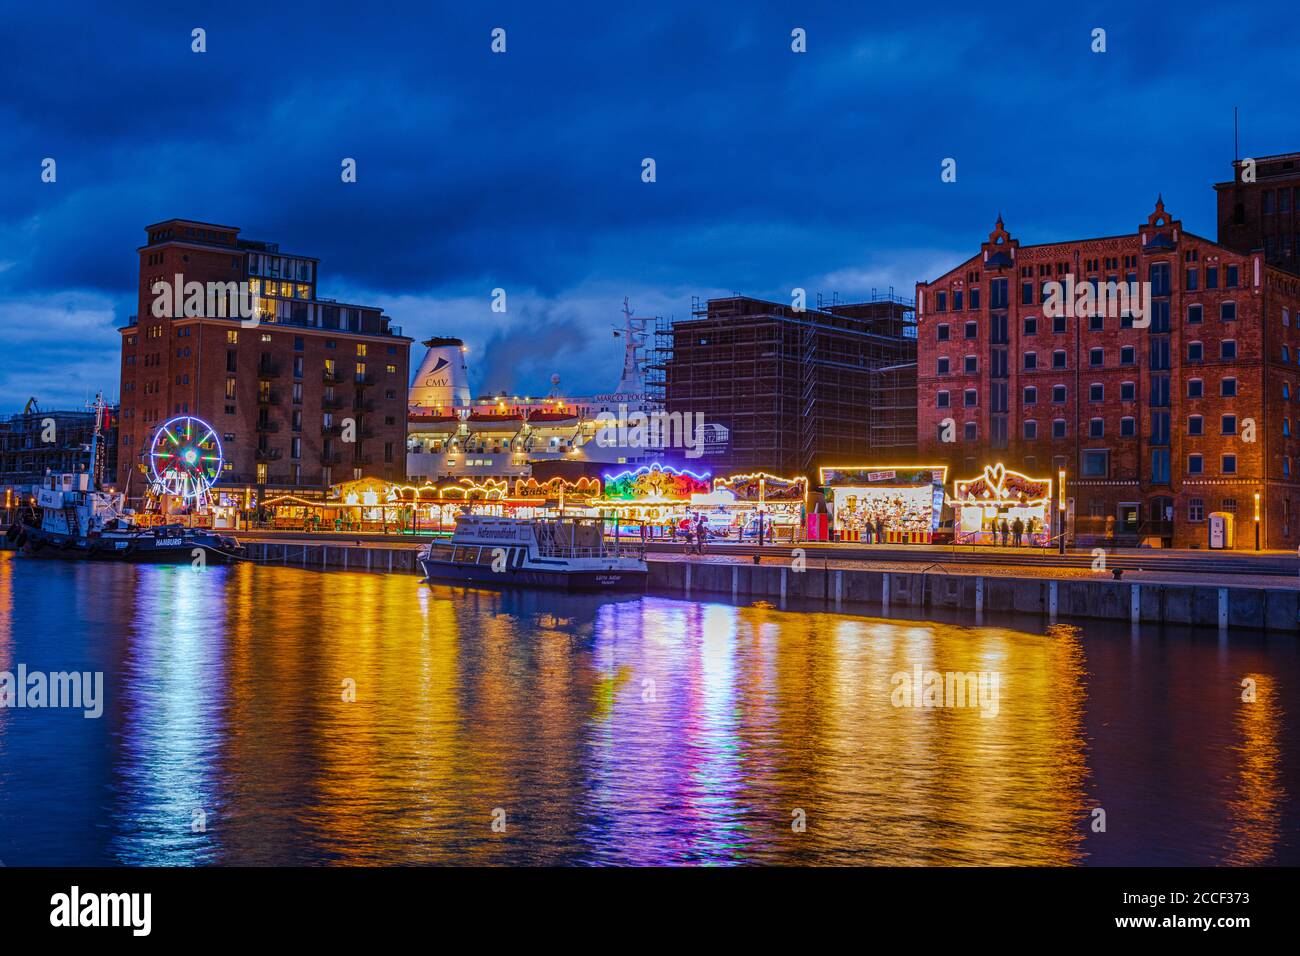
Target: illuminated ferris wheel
point(185, 458)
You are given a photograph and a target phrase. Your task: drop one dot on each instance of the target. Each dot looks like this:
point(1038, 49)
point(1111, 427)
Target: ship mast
point(98, 406)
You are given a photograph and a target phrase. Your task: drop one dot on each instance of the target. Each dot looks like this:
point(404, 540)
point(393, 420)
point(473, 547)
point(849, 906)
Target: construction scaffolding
point(796, 389)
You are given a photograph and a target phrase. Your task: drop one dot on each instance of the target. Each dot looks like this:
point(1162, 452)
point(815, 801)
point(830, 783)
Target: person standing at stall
point(1017, 529)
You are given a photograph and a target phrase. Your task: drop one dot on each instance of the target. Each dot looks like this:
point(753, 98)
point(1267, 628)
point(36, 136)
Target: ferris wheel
point(185, 457)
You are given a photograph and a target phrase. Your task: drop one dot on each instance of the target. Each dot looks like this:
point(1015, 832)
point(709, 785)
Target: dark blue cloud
point(522, 171)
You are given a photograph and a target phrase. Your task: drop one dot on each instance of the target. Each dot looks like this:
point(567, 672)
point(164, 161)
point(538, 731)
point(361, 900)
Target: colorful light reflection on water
point(644, 731)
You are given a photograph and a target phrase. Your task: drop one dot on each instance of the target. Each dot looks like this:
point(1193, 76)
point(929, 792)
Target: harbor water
point(275, 715)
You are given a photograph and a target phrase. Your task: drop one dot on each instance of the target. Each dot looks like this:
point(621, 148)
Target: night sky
point(523, 170)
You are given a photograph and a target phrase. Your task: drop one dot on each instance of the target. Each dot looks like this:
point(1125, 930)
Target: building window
point(1195, 388)
point(1230, 277)
point(1096, 357)
point(943, 400)
point(1195, 351)
point(1031, 395)
point(1096, 392)
point(1128, 426)
point(1195, 509)
point(230, 389)
point(1127, 355)
point(943, 331)
point(1058, 324)
point(972, 330)
point(1096, 463)
point(1031, 326)
point(1031, 361)
point(1096, 428)
point(970, 398)
point(941, 303)
point(1058, 394)
point(971, 364)
point(1228, 349)
point(232, 337)
point(1228, 425)
point(1058, 428)
point(1127, 392)
point(1095, 323)
point(1195, 425)
point(1229, 465)
point(1195, 314)
point(941, 366)
point(1228, 388)
point(971, 431)
point(1228, 311)
point(1058, 358)
point(1031, 430)
point(1195, 465)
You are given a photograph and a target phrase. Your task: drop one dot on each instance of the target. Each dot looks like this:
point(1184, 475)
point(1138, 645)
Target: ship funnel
point(442, 378)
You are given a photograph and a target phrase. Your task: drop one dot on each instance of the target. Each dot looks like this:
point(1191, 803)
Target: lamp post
point(1060, 530)
point(1257, 521)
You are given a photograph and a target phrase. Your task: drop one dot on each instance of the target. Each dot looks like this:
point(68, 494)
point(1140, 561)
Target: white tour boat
point(565, 552)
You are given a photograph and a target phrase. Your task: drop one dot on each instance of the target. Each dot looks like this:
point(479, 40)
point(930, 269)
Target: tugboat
point(566, 553)
point(71, 518)
point(74, 521)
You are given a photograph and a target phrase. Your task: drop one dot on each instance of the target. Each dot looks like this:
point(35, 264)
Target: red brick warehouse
point(1156, 426)
point(278, 392)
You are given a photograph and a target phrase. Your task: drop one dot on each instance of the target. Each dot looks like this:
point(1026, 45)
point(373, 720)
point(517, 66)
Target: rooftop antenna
point(1236, 150)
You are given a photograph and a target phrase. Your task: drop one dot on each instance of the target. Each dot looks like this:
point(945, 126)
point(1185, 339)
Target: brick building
point(1259, 208)
point(797, 390)
point(1156, 427)
point(26, 456)
point(279, 393)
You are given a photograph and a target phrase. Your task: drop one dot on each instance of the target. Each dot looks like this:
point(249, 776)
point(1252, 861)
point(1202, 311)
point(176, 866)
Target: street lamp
point(1257, 521)
point(1060, 529)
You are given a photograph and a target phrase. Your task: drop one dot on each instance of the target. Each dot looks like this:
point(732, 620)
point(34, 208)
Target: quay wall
point(1203, 604)
point(1208, 604)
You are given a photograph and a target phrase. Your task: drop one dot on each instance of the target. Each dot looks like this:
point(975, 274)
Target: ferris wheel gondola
point(185, 458)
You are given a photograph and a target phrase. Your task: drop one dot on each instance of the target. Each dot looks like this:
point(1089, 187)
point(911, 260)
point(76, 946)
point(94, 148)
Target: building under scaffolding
point(835, 384)
point(34, 443)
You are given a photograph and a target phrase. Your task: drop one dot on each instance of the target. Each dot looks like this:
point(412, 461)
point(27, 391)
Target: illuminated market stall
point(899, 505)
point(734, 505)
point(1000, 496)
point(655, 495)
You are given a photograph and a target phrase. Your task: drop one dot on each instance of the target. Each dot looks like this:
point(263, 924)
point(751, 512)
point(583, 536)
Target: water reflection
point(273, 715)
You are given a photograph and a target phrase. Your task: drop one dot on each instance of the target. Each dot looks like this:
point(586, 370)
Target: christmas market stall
point(738, 503)
point(657, 496)
point(1003, 507)
point(889, 505)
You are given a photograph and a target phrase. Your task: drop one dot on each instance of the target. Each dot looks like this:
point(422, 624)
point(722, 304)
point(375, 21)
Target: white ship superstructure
point(452, 435)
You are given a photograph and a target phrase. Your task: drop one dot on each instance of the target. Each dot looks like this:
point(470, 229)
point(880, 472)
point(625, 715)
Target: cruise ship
point(453, 435)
